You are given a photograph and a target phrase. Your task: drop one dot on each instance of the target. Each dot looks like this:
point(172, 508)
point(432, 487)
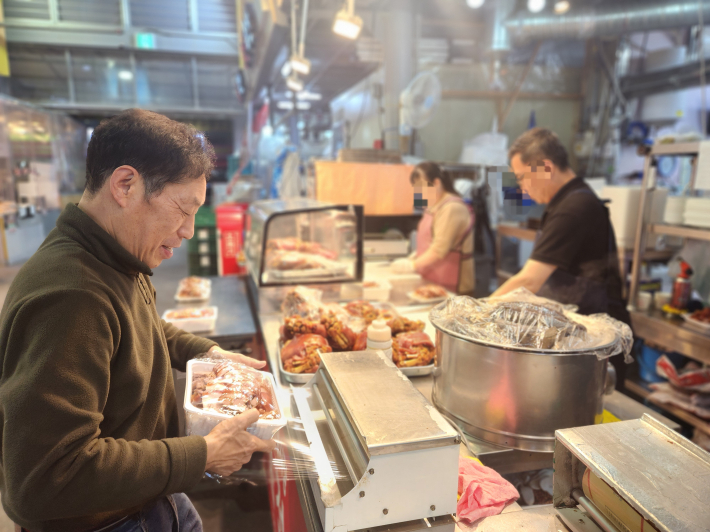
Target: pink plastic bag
point(483, 491)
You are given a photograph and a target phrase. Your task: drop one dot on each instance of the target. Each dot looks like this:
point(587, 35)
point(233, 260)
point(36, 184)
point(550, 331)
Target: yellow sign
point(4, 60)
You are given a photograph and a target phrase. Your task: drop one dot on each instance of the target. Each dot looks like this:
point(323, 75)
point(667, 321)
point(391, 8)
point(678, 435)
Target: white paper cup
point(643, 301)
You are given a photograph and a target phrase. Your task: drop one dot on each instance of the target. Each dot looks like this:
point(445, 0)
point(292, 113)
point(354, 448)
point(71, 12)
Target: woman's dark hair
point(161, 150)
point(431, 171)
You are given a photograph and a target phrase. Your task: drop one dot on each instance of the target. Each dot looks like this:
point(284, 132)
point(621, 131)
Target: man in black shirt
point(574, 260)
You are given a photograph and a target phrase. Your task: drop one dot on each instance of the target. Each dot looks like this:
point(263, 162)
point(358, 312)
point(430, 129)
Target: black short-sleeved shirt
point(575, 230)
point(577, 237)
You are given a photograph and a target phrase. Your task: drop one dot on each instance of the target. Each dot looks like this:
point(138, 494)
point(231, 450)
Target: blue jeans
point(174, 513)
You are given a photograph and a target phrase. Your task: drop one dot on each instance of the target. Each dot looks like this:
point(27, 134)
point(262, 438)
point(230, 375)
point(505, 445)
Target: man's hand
point(230, 446)
point(237, 357)
point(533, 275)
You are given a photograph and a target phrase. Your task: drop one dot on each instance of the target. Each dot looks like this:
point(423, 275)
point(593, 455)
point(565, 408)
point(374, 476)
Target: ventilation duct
point(499, 38)
point(615, 20)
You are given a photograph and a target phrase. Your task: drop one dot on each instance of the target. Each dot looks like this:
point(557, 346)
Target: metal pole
point(53, 12)
point(640, 239)
point(194, 17)
point(294, 22)
point(132, 60)
point(70, 76)
point(195, 83)
point(703, 96)
point(304, 19)
point(125, 15)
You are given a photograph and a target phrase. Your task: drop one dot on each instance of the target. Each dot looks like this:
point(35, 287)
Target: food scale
point(385, 458)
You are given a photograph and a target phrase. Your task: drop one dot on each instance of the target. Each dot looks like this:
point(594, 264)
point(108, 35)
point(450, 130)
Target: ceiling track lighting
point(347, 24)
point(535, 6)
point(294, 83)
point(562, 6)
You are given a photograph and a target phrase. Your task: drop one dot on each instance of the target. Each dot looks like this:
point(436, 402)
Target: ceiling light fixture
point(347, 24)
point(474, 4)
point(285, 105)
point(294, 83)
point(562, 7)
point(297, 62)
point(125, 75)
point(300, 64)
point(286, 69)
point(535, 6)
point(309, 96)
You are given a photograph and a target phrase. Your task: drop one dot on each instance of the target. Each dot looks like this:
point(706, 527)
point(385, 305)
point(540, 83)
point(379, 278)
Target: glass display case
point(304, 241)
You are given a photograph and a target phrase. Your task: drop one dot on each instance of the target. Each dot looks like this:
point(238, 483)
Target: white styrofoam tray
point(194, 325)
point(701, 325)
point(205, 294)
point(293, 378)
point(200, 422)
point(426, 300)
point(417, 371)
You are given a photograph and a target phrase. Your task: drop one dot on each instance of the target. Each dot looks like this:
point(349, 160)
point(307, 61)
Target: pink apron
point(446, 271)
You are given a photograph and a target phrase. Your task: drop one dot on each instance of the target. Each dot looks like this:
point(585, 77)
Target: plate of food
point(294, 264)
point(299, 358)
point(429, 293)
point(303, 339)
point(193, 289)
point(413, 353)
point(192, 319)
point(700, 319)
point(216, 391)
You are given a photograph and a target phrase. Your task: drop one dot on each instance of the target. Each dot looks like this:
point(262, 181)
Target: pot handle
point(610, 384)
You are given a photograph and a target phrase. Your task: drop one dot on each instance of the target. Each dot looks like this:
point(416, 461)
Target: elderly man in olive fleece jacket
point(88, 415)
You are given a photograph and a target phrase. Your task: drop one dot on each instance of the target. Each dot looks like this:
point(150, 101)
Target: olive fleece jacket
point(88, 416)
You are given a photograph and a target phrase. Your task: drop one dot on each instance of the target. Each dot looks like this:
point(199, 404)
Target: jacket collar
point(79, 226)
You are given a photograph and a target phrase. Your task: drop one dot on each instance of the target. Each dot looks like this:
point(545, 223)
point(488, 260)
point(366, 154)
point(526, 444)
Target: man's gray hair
point(538, 144)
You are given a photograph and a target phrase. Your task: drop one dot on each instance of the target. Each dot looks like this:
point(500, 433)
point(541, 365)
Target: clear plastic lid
point(524, 321)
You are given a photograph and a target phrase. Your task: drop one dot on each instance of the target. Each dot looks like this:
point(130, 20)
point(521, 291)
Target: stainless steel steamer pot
point(517, 397)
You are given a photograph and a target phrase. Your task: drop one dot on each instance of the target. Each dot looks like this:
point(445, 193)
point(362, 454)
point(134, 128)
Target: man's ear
point(124, 184)
point(549, 166)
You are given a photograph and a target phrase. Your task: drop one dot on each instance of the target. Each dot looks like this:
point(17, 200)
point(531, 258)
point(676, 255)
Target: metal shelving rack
point(669, 333)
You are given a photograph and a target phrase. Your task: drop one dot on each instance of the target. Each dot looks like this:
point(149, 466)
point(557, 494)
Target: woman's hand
point(402, 266)
point(237, 357)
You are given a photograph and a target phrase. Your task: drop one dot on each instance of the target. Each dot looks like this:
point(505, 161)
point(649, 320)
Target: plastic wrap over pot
point(525, 321)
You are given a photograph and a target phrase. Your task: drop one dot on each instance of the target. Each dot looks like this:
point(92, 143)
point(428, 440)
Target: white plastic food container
point(200, 423)
point(380, 292)
point(205, 295)
point(193, 325)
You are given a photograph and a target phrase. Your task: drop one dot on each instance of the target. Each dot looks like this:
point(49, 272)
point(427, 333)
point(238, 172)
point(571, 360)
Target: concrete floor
point(222, 509)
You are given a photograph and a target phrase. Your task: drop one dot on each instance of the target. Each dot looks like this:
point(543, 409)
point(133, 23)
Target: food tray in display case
point(302, 240)
point(288, 376)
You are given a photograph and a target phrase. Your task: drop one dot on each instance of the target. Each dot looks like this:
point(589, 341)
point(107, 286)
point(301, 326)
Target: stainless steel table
point(235, 326)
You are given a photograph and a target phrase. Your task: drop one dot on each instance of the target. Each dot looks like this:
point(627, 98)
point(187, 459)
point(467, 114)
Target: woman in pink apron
point(444, 253)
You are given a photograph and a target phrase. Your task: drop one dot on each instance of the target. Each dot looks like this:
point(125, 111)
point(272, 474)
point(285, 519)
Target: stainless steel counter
point(235, 320)
point(501, 459)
